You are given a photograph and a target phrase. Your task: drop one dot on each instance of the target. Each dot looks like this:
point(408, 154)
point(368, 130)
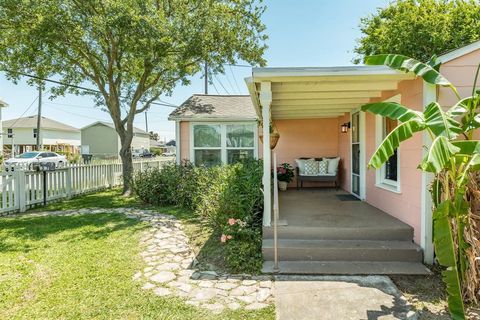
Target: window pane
point(391, 167)
point(356, 158)
point(355, 128)
point(208, 158)
point(240, 135)
point(391, 164)
point(238, 155)
point(206, 136)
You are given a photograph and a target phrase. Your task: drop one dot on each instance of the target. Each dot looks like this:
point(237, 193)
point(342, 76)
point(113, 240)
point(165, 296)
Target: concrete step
point(347, 268)
point(342, 250)
point(401, 232)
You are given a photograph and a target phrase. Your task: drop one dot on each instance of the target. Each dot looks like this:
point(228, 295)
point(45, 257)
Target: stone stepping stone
point(163, 277)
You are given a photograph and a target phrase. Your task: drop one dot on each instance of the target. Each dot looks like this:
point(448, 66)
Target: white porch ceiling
point(305, 93)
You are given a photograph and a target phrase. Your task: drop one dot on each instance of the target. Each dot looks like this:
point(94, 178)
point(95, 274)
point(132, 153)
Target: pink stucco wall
point(406, 205)
point(307, 138)
point(184, 140)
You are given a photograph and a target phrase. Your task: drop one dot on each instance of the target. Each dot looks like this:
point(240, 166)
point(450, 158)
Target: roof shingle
point(31, 122)
point(201, 106)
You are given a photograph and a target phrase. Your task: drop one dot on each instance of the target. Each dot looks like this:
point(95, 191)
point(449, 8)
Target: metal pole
point(39, 116)
point(276, 268)
point(206, 78)
point(146, 121)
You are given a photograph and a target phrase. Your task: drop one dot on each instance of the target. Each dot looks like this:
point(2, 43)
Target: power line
point(235, 79)
point(229, 82)
point(215, 87)
point(215, 76)
point(28, 108)
point(166, 104)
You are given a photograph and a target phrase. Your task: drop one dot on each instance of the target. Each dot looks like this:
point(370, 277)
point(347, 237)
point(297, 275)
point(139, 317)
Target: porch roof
point(321, 92)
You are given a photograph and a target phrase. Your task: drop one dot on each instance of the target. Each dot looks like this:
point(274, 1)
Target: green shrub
point(215, 194)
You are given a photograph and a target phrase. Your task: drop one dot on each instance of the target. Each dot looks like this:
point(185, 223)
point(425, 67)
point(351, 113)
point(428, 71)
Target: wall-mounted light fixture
point(345, 127)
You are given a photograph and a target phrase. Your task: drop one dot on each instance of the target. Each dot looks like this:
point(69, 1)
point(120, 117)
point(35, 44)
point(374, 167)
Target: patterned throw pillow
point(311, 168)
point(322, 167)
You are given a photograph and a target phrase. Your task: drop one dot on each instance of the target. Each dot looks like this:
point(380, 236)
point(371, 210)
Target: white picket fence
point(21, 190)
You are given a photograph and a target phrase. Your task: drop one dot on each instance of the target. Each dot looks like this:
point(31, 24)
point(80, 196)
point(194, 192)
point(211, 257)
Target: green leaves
point(403, 63)
point(446, 255)
point(439, 156)
point(392, 110)
point(401, 133)
point(406, 64)
point(441, 123)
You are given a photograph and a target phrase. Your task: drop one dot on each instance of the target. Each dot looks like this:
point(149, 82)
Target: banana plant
point(452, 156)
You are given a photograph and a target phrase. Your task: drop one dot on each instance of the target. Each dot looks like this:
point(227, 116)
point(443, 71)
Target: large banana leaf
point(392, 141)
point(466, 109)
point(446, 256)
point(439, 155)
point(404, 63)
point(392, 110)
point(440, 122)
point(467, 147)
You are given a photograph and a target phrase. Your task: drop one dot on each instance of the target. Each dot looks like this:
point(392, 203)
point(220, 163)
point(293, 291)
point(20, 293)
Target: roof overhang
point(211, 119)
point(3, 103)
point(302, 93)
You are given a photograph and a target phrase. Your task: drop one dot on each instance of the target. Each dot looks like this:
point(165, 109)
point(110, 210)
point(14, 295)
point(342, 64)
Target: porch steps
point(342, 250)
point(347, 267)
point(400, 232)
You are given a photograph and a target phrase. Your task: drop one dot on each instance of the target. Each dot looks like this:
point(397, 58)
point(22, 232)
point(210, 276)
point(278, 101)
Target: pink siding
point(406, 206)
point(461, 72)
point(306, 138)
point(184, 140)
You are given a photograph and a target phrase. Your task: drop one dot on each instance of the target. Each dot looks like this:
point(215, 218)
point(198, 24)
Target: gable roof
point(457, 53)
point(111, 125)
point(215, 107)
point(31, 122)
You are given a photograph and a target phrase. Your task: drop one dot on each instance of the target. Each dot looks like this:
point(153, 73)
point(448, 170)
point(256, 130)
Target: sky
point(302, 33)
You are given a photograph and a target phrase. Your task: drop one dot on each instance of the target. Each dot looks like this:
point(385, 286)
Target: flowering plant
point(285, 172)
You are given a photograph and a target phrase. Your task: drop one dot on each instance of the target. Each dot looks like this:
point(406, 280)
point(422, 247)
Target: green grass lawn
point(81, 267)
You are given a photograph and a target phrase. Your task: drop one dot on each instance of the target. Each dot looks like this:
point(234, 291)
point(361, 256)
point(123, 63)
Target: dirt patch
point(428, 297)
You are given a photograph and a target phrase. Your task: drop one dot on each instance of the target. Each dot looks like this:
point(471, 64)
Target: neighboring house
point(54, 136)
point(2, 105)
point(101, 140)
point(317, 114)
point(214, 129)
point(162, 146)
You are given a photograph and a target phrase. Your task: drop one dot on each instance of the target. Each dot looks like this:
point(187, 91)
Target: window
point(214, 144)
point(34, 133)
point(10, 133)
point(388, 175)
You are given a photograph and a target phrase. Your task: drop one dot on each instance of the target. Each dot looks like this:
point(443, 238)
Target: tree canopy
point(419, 28)
point(130, 51)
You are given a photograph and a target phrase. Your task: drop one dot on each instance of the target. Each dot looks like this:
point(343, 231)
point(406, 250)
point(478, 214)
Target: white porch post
point(426, 241)
point(178, 156)
point(265, 102)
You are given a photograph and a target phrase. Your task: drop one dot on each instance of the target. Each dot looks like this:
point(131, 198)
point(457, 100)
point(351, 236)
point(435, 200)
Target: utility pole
point(39, 116)
point(206, 78)
point(146, 121)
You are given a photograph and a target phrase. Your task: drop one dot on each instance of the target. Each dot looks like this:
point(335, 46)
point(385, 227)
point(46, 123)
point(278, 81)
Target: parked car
point(168, 154)
point(28, 160)
point(147, 154)
point(142, 153)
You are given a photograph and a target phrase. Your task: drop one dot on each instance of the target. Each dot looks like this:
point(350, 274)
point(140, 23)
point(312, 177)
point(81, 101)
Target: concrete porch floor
point(322, 234)
point(320, 207)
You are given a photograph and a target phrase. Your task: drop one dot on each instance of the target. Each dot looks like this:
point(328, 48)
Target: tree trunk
point(127, 162)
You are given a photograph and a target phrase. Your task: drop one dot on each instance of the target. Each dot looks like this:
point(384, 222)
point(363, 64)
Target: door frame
point(362, 172)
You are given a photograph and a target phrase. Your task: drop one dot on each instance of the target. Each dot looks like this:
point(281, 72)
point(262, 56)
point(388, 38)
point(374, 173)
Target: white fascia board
point(457, 53)
point(323, 71)
point(213, 119)
point(253, 95)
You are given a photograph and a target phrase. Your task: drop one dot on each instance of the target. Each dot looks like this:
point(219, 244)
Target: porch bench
point(334, 178)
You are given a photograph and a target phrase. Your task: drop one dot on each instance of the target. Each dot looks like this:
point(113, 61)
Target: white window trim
point(223, 139)
point(380, 180)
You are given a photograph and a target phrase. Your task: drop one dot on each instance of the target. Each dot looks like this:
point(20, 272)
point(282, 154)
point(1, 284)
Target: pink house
point(380, 221)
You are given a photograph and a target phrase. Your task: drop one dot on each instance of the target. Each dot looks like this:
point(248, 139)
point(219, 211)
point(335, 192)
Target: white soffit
point(304, 93)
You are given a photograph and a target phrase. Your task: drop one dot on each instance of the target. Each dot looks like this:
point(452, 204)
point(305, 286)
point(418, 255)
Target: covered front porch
point(316, 112)
point(329, 231)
